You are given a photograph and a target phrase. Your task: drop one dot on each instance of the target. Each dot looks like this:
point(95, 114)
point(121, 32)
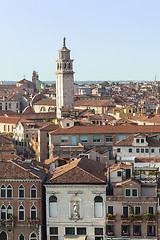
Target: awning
point(83, 237)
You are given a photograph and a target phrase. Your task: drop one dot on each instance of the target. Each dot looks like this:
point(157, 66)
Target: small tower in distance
point(34, 78)
point(64, 81)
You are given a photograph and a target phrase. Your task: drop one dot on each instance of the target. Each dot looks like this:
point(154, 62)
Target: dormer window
point(137, 140)
point(142, 140)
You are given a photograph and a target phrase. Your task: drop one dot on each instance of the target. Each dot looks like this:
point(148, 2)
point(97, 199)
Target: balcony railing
point(150, 217)
point(135, 217)
point(125, 234)
point(124, 218)
point(111, 217)
point(7, 222)
point(137, 234)
point(109, 234)
point(33, 222)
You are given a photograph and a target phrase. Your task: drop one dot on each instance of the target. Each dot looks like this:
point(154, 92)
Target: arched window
point(33, 236)
point(53, 208)
point(33, 191)
point(9, 211)
point(21, 216)
point(43, 109)
point(3, 212)
point(21, 237)
point(3, 235)
point(33, 212)
point(9, 191)
point(98, 207)
point(21, 191)
point(3, 191)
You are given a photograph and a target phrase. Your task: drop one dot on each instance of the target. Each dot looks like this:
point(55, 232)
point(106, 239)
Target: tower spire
point(64, 42)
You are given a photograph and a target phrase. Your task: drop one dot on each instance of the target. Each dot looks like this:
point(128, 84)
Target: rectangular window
point(84, 138)
point(98, 159)
point(152, 150)
point(137, 140)
point(109, 139)
point(0, 106)
point(134, 193)
point(110, 230)
point(142, 140)
point(146, 150)
point(142, 150)
point(125, 211)
point(128, 192)
point(130, 150)
point(119, 173)
point(81, 231)
point(159, 150)
point(151, 230)
point(64, 139)
point(118, 150)
point(96, 138)
point(136, 230)
point(137, 150)
point(137, 210)
point(98, 231)
point(151, 210)
point(70, 230)
point(110, 210)
point(53, 230)
point(53, 238)
point(125, 230)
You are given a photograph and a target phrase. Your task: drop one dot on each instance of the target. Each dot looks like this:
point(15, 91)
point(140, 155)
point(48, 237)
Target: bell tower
point(64, 81)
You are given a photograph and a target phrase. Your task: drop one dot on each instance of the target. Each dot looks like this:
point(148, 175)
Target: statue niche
point(75, 208)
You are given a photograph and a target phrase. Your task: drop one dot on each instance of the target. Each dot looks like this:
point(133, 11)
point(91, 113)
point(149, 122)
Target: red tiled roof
point(109, 129)
point(118, 166)
point(79, 172)
point(97, 103)
point(11, 120)
point(125, 181)
point(11, 170)
point(47, 102)
point(152, 141)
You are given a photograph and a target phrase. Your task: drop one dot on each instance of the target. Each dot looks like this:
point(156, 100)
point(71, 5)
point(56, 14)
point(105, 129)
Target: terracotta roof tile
point(97, 103)
point(47, 102)
point(79, 172)
point(104, 129)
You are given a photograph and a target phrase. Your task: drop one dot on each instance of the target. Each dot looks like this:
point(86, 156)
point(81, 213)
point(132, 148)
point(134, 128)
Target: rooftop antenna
point(64, 42)
point(155, 78)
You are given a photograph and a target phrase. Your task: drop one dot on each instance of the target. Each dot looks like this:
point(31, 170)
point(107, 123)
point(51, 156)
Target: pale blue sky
point(109, 39)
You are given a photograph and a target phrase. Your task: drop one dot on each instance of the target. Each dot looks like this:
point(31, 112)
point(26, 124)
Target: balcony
point(66, 148)
point(125, 219)
point(150, 217)
point(125, 234)
point(7, 222)
point(137, 234)
point(111, 217)
point(33, 223)
point(135, 217)
point(110, 234)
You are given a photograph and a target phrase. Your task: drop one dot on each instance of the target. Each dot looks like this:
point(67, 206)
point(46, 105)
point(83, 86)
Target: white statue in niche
point(75, 210)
